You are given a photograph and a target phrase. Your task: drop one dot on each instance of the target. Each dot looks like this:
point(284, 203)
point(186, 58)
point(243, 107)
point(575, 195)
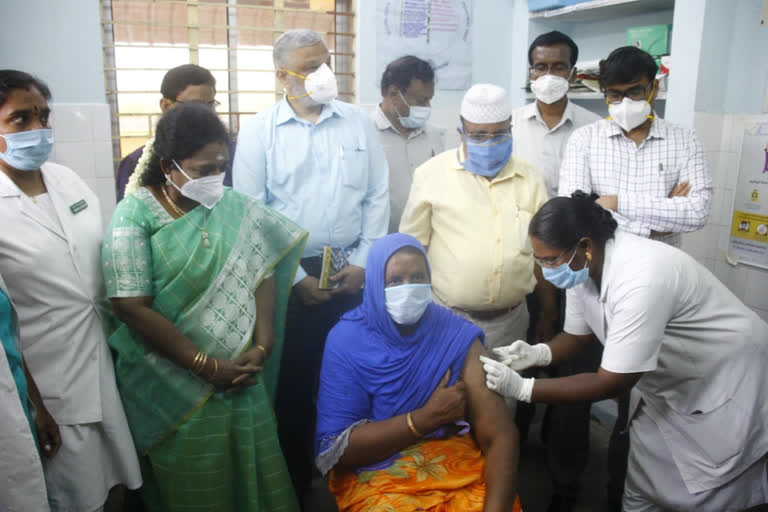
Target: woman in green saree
point(199, 277)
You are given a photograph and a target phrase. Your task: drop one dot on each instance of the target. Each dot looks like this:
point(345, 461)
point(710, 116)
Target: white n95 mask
point(549, 88)
point(407, 303)
point(629, 114)
point(206, 190)
point(321, 85)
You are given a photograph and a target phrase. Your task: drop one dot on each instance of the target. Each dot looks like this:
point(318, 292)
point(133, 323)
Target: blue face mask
point(564, 276)
point(27, 151)
point(488, 158)
point(417, 116)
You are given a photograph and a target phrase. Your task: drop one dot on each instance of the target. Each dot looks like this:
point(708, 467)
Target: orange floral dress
point(444, 475)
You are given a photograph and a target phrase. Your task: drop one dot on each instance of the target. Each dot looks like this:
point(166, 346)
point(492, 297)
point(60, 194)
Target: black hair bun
point(580, 194)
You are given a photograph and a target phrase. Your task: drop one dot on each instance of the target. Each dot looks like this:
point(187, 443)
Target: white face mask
point(406, 303)
point(321, 85)
point(549, 88)
point(417, 116)
point(206, 190)
point(629, 114)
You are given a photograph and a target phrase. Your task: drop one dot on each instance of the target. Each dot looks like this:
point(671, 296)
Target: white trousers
point(654, 483)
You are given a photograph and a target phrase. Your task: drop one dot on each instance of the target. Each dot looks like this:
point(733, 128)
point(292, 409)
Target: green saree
point(202, 447)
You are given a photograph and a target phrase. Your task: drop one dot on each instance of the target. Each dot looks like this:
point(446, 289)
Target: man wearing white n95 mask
point(649, 172)
point(317, 161)
point(541, 129)
point(401, 119)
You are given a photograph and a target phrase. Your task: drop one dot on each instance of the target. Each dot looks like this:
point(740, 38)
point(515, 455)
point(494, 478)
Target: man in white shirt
point(650, 173)
point(541, 128)
point(407, 88)
point(540, 131)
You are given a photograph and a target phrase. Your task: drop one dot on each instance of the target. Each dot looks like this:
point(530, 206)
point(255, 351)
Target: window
point(232, 38)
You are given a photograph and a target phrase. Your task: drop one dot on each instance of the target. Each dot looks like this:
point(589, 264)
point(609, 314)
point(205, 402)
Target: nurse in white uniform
point(22, 485)
point(50, 258)
point(696, 356)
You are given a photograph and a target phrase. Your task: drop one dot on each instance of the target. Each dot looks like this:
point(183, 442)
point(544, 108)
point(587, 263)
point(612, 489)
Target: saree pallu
point(444, 475)
point(204, 285)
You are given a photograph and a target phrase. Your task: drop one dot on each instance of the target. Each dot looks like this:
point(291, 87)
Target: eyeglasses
point(556, 68)
point(638, 93)
point(550, 262)
point(212, 103)
point(482, 138)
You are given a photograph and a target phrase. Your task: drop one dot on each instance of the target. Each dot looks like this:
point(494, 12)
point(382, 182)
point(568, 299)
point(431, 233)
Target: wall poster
point(435, 30)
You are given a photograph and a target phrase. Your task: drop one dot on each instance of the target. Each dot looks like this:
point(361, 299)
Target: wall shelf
point(599, 10)
point(592, 96)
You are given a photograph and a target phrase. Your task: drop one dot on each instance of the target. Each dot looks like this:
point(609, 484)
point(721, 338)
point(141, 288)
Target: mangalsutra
point(181, 213)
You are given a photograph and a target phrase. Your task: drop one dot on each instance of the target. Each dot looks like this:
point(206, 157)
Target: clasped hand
point(237, 374)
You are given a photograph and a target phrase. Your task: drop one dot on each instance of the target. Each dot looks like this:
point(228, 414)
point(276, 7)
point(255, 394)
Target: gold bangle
point(197, 368)
point(262, 349)
point(196, 361)
point(411, 426)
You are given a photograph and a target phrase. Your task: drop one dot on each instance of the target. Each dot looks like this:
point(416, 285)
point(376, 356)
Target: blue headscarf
point(372, 372)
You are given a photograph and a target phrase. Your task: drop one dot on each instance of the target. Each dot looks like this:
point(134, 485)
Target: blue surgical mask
point(488, 158)
point(416, 117)
point(27, 151)
point(564, 276)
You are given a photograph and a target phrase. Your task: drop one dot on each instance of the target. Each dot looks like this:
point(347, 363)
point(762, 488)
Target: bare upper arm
point(486, 410)
point(617, 383)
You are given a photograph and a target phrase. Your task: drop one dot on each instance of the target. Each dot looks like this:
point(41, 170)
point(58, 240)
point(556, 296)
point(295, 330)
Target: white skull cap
point(486, 104)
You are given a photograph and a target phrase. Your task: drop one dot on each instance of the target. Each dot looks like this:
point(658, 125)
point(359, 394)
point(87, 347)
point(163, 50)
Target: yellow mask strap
point(648, 100)
point(297, 76)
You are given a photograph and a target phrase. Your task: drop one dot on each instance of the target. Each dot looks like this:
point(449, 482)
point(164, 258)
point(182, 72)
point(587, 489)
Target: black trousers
point(305, 333)
point(566, 427)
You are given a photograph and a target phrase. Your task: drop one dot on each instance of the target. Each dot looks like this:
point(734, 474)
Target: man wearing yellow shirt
point(470, 206)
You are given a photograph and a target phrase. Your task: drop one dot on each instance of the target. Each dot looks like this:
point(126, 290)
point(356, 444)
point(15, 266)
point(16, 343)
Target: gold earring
point(589, 256)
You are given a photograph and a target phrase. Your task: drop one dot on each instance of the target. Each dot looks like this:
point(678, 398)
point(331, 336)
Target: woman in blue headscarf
point(401, 388)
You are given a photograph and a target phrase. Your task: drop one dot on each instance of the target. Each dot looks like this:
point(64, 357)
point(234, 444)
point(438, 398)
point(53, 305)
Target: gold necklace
point(181, 213)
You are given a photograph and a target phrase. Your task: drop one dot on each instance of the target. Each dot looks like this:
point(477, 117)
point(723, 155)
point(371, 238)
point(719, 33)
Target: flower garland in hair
point(134, 182)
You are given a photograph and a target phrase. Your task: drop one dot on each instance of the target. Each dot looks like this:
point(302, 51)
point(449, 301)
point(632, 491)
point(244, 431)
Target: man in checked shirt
point(653, 176)
point(649, 172)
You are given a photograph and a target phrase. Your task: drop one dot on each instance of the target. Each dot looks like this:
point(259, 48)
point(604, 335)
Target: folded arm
point(675, 213)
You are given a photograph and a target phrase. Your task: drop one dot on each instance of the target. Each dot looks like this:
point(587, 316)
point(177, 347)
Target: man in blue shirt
point(318, 161)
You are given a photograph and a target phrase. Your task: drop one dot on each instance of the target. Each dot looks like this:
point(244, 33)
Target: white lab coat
point(704, 356)
point(61, 337)
point(22, 486)
point(53, 268)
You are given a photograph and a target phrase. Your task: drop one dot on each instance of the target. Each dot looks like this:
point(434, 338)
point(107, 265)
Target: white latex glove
point(520, 355)
point(505, 381)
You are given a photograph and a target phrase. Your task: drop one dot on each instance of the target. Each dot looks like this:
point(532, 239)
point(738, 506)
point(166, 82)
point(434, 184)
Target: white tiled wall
point(721, 136)
point(83, 142)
